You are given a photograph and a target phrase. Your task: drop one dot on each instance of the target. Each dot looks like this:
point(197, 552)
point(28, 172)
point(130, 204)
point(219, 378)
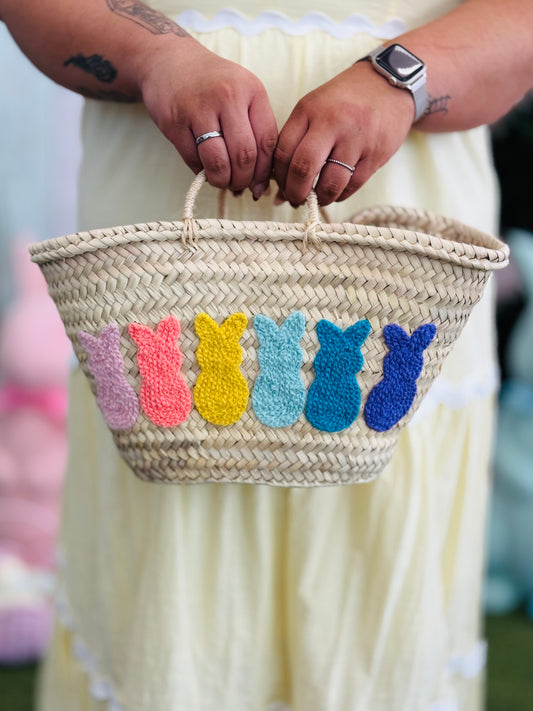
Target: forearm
point(124, 51)
point(479, 60)
point(98, 48)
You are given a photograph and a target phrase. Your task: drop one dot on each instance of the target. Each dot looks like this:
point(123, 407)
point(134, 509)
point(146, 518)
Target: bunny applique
point(392, 398)
point(278, 396)
point(221, 391)
point(165, 396)
point(116, 398)
point(334, 398)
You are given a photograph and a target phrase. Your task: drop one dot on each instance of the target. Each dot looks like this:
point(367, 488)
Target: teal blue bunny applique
point(278, 396)
point(334, 397)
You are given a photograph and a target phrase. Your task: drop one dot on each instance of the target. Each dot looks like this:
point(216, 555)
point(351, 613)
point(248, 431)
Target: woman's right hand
point(188, 91)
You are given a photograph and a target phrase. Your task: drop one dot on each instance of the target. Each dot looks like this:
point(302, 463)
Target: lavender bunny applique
point(278, 396)
point(392, 397)
point(116, 398)
point(334, 398)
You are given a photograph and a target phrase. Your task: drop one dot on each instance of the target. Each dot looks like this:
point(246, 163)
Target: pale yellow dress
point(227, 597)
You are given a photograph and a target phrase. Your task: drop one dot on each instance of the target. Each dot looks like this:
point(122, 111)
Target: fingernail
point(279, 199)
point(258, 190)
point(237, 193)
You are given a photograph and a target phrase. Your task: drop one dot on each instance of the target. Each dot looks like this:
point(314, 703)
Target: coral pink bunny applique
point(165, 396)
point(116, 398)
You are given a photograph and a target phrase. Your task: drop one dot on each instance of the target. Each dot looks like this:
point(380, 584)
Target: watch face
point(399, 62)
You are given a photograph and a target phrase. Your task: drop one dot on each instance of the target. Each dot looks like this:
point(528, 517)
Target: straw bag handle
point(190, 225)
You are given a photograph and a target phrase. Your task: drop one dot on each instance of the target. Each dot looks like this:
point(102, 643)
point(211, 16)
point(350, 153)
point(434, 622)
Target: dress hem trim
point(467, 665)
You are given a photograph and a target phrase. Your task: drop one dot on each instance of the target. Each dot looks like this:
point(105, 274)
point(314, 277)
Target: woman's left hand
point(356, 118)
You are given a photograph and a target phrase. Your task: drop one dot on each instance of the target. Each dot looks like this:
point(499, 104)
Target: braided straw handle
point(190, 226)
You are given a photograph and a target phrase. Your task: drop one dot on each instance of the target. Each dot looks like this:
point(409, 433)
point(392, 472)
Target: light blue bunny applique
point(334, 397)
point(392, 397)
point(278, 396)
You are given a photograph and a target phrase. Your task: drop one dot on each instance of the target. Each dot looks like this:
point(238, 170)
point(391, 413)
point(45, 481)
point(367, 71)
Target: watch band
point(416, 86)
point(420, 96)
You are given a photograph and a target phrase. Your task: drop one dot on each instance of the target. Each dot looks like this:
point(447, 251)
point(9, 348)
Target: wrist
point(402, 70)
point(165, 55)
point(382, 94)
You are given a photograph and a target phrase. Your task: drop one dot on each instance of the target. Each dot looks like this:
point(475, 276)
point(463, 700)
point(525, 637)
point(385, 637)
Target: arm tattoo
point(150, 19)
point(437, 105)
point(96, 65)
point(103, 95)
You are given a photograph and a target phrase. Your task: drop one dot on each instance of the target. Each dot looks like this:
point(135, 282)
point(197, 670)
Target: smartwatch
point(402, 69)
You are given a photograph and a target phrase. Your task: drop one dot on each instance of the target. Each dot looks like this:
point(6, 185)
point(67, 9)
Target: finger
point(213, 154)
point(289, 138)
point(305, 165)
point(241, 147)
point(335, 176)
point(364, 169)
point(183, 141)
point(265, 131)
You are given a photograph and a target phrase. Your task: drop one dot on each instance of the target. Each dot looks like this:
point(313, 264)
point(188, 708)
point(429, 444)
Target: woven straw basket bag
point(263, 352)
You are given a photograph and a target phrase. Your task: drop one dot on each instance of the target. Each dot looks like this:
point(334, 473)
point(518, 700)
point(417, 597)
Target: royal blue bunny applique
point(392, 398)
point(334, 398)
point(278, 396)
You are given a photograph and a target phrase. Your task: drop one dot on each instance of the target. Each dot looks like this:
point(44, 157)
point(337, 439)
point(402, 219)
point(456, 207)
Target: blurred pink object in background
point(34, 357)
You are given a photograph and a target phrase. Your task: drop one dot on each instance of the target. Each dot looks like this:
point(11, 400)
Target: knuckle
point(268, 144)
point(282, 155)
point(329, 189)
point(301, 169)
point(217, 171)
point(216, 165)
point(226, 90)
point(304, 105)
point(246, 157)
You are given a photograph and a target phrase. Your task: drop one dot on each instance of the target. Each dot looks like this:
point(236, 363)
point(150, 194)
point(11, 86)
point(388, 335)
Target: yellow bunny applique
point(221, 391)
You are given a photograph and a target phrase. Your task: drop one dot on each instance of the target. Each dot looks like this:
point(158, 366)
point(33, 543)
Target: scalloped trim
point(457, 396)
point(100, 686)
point(311, 22)
point(467, 665)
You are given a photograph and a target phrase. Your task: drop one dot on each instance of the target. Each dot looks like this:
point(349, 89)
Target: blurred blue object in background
point(40, 152)
point(510, 536)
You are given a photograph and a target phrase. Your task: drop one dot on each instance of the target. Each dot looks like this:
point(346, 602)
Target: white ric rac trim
point(268, 20)
point(467, 665)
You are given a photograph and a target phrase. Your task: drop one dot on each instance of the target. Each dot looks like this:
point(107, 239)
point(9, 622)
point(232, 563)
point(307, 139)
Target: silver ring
point(207, 136)
point(344, 165)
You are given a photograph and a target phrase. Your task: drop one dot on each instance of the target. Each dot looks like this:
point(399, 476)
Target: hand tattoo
point(150, 19)
point(96, 65)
